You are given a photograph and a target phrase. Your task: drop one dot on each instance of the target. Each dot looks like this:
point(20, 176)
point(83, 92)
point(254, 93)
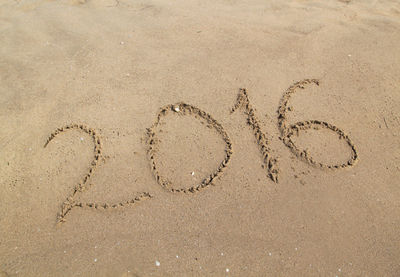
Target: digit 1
point(270, 163)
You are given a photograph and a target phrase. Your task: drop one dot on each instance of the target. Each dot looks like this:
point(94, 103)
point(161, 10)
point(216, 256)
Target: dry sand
point(109, 66)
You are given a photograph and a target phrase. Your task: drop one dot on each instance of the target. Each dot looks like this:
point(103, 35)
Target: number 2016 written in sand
point(270, 164)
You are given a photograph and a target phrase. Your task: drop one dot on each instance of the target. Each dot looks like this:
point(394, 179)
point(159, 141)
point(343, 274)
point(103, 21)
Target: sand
point(200, 138)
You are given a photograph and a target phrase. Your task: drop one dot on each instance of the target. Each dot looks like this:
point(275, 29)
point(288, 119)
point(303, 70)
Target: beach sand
point(148, 172)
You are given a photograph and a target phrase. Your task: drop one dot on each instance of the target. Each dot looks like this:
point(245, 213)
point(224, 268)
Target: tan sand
point(157, 164)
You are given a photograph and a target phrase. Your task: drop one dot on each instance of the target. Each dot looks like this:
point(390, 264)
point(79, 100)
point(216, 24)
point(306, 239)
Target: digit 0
point(183, 109)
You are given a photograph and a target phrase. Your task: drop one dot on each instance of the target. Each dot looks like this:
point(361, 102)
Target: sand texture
point(199, 138)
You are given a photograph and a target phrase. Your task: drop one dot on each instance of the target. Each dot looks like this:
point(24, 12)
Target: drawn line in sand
point(152, 142)
point(83, 185)
point(270, 163)
point(288, 130)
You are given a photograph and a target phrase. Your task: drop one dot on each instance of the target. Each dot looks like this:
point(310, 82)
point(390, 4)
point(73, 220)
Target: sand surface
point(132, 184)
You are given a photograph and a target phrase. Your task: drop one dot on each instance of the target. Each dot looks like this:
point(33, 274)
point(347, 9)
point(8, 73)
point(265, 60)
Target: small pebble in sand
point(122, 43)
point(339, 269)
point(95, 260)
point(81, 139)
point(270, 253)
point(177, 256)
point(65, 251)
point(157, 263)
point(227, 270)
point(222, 254)
point(295, 249)
point(176, 108)
point(192, 173)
